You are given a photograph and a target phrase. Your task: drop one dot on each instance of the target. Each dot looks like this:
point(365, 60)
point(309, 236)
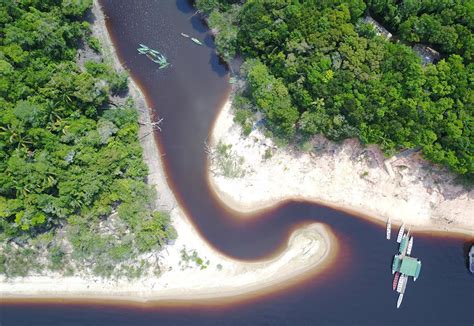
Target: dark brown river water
point(355, 290)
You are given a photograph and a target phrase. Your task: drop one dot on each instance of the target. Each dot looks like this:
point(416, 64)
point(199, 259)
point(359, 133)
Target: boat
point(389, 229)
point(400, 299)
point(401, 284)
point(396, 264)
point(400, 233)
point(403, 245)
point(195, 40)
point(152, 58)
point(185, 35)
point(417, 272)
point(153, 55)
point(471, 259)
point(395, 281)
point(410, 246)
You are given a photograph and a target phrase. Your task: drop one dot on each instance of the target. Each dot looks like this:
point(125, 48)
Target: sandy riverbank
point(310, 249)
point(344, 176)
point(307, 253)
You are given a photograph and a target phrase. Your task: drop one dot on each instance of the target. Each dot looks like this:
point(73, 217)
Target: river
point(357, 288)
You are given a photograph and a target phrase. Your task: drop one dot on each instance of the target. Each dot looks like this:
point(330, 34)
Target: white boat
point(184, 35)
point(471, 259)
point(400, 233)
point(401, 284)
point(195, 40)
point(399, 301)
point(410, 246)
point(389, 229)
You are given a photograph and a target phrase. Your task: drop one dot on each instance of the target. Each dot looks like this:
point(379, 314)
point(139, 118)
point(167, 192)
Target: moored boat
point(184, 35)
point(389, 229)
point(402, 284)
point(403, 245)
point(396, 264)
point(400, 233)
point(471, 259)
point(395, 281)
point(417, 271)
point(399, 301)
point(410, 246)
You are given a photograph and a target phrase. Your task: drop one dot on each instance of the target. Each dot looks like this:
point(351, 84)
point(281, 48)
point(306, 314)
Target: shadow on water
point(185, 7)
point(357, 289)
point(217, 65)
point(198, 25)
point(209, 42)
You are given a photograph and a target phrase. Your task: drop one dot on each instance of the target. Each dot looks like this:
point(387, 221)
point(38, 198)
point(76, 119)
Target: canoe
point(195, 40)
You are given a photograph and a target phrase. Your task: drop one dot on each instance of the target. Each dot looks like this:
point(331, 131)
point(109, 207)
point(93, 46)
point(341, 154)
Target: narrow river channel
point(357, 288)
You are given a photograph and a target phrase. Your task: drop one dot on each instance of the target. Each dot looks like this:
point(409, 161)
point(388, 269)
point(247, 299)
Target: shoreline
point(318, 255)
point(310, 250)
point(306, 176)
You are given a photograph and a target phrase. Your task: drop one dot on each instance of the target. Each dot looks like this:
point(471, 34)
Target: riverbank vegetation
point(445, 26)
point(73, 196)
point(316, 67)
point(226, 162)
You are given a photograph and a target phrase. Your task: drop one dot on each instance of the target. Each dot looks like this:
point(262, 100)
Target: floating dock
point(403, 265)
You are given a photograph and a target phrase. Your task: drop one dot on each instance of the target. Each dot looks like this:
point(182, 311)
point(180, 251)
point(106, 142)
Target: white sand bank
point(307, 253)
point(347, 176)
point(310, 249)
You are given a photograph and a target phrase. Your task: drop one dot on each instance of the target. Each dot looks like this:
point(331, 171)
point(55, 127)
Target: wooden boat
point(395, 281)
point(389, 229)
point(195, 40)
point(153, 55)
point(400, 233)
point(184, 35)
point(410, 246)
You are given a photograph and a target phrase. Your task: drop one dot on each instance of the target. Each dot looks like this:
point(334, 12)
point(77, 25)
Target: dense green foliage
point(314, 67)
point(445, 25)
point(68, 158)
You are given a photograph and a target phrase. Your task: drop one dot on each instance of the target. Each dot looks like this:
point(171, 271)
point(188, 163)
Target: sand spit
point(346, 176)
point(310, 249)
point(307, 253)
